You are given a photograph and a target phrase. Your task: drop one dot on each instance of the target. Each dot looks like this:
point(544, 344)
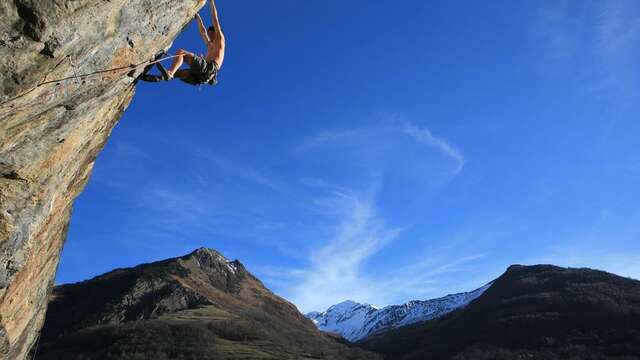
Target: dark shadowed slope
point(200, 306)
point(531, 312)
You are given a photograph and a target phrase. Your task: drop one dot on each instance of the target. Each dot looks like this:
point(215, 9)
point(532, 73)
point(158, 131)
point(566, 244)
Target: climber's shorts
point(201, 71)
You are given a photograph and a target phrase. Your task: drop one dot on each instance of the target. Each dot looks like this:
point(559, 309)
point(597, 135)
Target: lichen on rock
point(50, 135)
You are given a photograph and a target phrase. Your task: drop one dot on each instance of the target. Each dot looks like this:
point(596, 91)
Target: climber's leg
point(145, 76)
point(187, 76)
point(182, 56)
point(182, 74)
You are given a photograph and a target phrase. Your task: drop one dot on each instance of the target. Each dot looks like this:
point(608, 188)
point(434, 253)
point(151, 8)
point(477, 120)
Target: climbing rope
point(99, 72)
point(77, 77)
point(73, 67)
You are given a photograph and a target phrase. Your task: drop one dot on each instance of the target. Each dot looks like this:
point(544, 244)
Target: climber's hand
point(198, 20)
point(201, 28)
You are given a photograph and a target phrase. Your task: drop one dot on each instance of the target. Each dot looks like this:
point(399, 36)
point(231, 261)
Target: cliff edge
point(53, 124)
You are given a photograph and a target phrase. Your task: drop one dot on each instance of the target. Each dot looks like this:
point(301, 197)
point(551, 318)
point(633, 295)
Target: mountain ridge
point(530, 312)
point(356, 321)
point(200, 305)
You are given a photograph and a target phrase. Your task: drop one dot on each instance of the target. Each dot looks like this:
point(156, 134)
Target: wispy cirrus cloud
point(428, 278)
point(335, 268)
point(319, 184)
point(344, 223)
point(425, 136)
point(356, 229)
point(239, 170)
point(616, 49)
point(209, 196)
point(596, 41)
point(376, 140)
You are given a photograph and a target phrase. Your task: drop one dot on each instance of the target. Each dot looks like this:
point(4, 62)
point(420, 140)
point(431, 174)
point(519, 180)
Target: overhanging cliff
point(51, 134)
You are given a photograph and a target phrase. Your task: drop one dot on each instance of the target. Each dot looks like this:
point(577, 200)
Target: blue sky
point(382, 151)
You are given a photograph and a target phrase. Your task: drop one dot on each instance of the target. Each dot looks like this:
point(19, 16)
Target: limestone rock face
point(51, 134)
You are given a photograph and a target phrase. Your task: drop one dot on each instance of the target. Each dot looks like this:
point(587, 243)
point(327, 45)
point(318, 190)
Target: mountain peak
point(213, 262)
point(540, 268)
point(204, 252)
point(347, 304)
point(200, 278)
point(207, 258)
point(188, 302)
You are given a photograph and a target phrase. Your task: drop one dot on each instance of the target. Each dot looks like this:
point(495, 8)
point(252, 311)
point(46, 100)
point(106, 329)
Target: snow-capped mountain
point(355, 321)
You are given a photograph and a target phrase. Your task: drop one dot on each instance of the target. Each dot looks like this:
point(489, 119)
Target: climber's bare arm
point(218, 40)
point(214, 18)
point(202, 29)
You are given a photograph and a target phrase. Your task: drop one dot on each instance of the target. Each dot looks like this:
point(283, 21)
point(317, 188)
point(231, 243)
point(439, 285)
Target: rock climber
point(202, 70)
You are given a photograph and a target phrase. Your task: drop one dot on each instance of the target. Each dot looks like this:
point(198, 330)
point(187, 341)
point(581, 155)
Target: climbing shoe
point(151, 78)
point(163, 71)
